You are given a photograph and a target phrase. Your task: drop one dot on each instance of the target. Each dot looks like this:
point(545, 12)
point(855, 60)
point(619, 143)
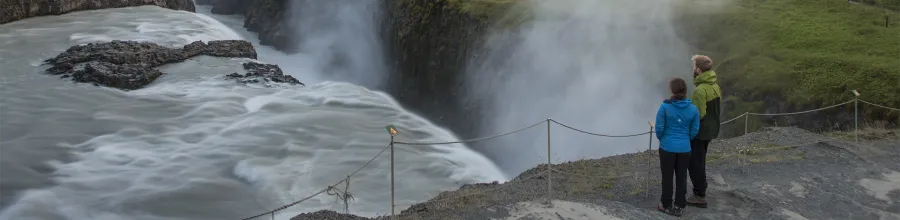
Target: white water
point(193, 145)
point(600, 66)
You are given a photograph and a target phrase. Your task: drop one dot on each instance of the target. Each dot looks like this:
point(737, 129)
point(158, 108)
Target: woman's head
point(678, 88)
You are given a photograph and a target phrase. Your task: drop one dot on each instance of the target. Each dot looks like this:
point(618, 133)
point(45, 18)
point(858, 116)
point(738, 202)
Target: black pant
point(677, 164)
point(697, 169)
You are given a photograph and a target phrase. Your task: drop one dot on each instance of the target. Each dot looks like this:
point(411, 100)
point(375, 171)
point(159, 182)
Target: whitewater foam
point(194, 145)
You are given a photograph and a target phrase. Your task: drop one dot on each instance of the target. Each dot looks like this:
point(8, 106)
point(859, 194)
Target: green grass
point(807, 52)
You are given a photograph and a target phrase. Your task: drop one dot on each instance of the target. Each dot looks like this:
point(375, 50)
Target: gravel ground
point(777, 173)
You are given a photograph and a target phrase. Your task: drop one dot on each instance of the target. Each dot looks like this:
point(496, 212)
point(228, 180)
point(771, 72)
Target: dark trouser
point(674, 164)
point(697, 169)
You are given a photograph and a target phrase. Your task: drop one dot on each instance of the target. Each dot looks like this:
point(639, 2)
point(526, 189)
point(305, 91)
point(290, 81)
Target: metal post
point(549, 169)
point(746, 121)
point(392, 178)
point(649, 162)
point(346, 192)
point(856, 118)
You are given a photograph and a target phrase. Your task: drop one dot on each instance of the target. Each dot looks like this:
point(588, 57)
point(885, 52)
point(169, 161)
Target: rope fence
point(612, 174)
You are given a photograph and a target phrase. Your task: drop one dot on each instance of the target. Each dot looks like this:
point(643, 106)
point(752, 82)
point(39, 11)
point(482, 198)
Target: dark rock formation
point(130, 65)
point(12, 10)
point(258, 72)
point(265, 17)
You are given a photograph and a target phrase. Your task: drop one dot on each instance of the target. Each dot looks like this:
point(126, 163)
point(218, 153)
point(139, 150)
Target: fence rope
point(474, 139)
point(735, 118)
point(801, 112)
point(330, 189)
point(342, 194)
point(596, 134)
point(877, 105)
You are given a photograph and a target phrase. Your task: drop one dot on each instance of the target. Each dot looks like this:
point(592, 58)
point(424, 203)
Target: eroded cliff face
point(265, 17)
point(429, 43)
point(13, 10)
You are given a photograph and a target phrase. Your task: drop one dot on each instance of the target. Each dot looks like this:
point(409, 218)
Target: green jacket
point(707, 97)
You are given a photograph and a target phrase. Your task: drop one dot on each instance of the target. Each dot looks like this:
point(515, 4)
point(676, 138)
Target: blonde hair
point(702, 62)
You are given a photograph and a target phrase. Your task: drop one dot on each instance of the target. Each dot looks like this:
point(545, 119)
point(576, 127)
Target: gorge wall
point(265, 17)
point(13, 10)
point(429, 43)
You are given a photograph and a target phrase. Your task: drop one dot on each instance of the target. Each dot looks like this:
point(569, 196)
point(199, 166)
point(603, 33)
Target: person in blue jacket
point(677, 122)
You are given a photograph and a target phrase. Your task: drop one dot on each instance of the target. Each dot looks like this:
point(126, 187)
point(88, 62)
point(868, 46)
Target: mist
point(600, 66)
point(339, 40)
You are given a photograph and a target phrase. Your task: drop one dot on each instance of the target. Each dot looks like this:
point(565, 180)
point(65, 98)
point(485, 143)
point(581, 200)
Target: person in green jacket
point(707, 98)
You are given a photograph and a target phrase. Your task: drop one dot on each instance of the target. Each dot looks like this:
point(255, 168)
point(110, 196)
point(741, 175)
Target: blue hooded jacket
point(677, 123)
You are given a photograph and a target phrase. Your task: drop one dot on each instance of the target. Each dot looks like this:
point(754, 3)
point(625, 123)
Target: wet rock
point(123, 76)
point(230, 48)
point(131, 65)
point(13, 10)
point(258, 72)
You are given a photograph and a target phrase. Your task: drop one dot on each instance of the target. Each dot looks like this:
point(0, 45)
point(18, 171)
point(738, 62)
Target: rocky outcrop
point(130, 65)
point(263, 73)
point(265, 17)
point(13, 10)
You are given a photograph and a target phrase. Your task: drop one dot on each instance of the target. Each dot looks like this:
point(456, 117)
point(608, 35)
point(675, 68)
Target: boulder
point(13, 10)
point(259, 73)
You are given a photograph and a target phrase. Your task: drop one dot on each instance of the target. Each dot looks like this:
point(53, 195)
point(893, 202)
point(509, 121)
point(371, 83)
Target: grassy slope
point(808, 52)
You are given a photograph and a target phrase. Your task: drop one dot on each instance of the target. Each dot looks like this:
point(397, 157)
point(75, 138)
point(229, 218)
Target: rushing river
point(193, 145)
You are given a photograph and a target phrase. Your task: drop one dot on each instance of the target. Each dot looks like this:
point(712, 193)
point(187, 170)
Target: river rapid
point(194, 145)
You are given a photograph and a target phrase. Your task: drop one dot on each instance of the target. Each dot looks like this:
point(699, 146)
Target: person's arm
point(660, 126)
point(695, 124)
point(699, 100)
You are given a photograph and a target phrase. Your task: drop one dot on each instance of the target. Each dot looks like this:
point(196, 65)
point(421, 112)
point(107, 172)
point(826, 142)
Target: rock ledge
point(130, 65)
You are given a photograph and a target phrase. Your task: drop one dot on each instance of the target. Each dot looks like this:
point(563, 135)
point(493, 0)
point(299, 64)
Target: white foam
point(195, 140)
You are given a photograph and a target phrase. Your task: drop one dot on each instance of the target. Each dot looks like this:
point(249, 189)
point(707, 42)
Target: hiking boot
point(673, 210)
point(698, 201)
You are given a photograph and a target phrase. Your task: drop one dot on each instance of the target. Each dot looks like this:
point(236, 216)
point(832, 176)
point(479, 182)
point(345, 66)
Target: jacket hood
point(682, 103)
point(707, 77)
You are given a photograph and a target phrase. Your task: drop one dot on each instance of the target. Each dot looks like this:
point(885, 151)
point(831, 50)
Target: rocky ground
point(12, 10)
point(130, 65)
point(778, 173)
